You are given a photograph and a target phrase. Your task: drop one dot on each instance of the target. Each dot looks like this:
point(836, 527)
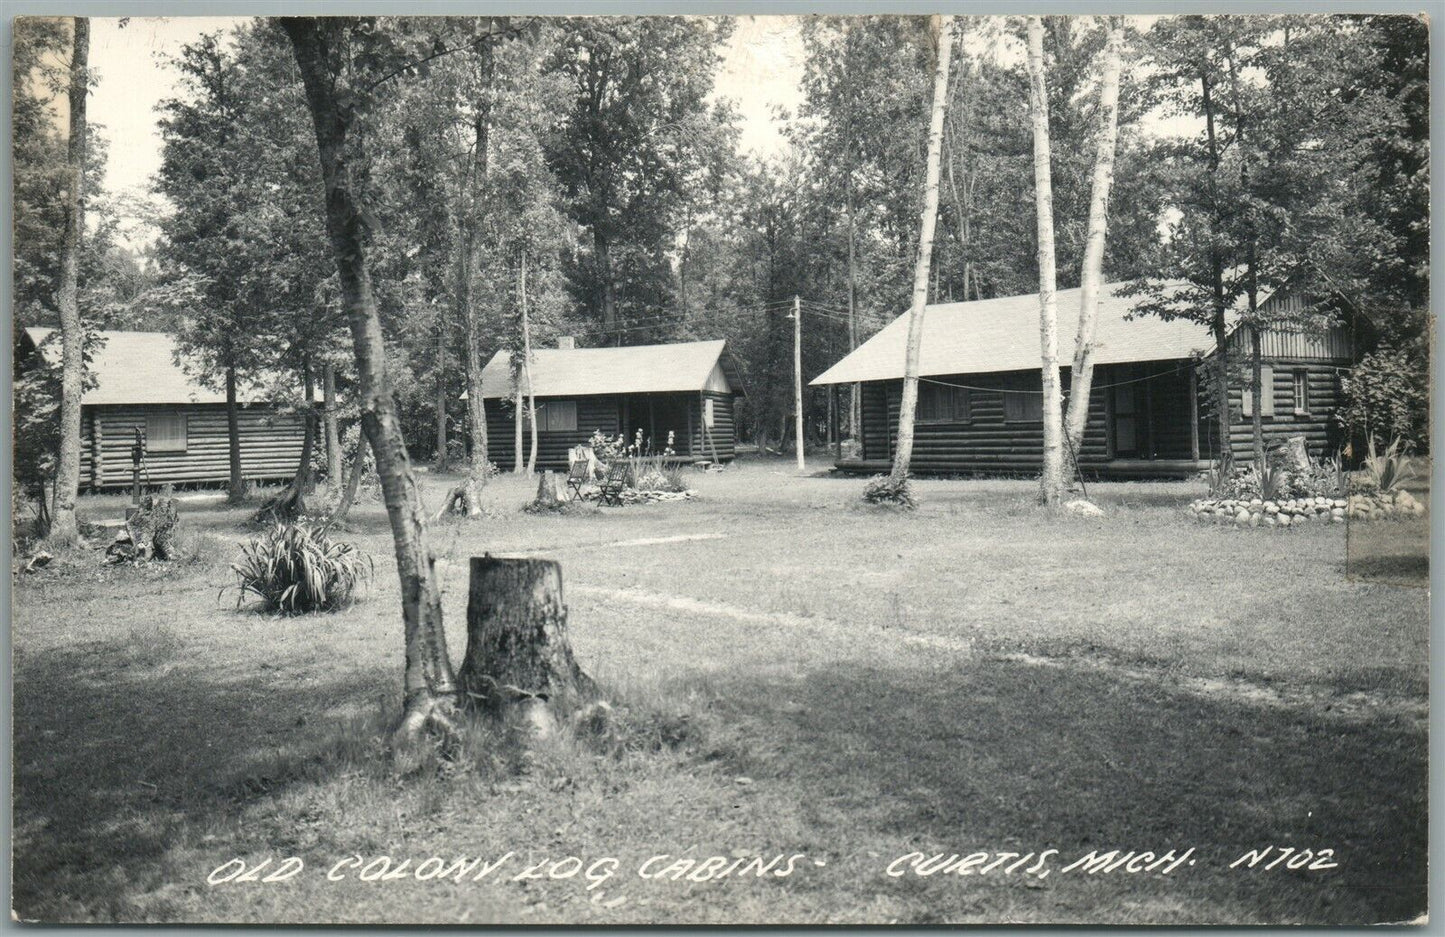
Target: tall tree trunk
point(1256, 420)
point(476, 403)
point(430, 682)
point(63, 526)
point(1081, 377)
point(943, 28)
point(602, 251)
point(333, 435)
point(1051, 482)
point(1218, 323)
point(520, 414)
point(308, 434)
point(353, 482)
point(855, 391)
point(236, 488)
point(527, 363)
point(442, 462)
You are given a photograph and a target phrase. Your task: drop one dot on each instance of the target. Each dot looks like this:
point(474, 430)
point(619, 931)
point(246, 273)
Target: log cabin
point(137, 382)
point(685, 389)
point(980, 399)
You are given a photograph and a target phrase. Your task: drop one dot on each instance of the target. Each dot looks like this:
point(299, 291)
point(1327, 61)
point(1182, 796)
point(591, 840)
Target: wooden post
point(798, 377)
point(519, 663)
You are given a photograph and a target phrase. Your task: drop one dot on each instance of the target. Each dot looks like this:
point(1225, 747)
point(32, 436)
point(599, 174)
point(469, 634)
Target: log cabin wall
point(1316, 421)
point(270, 444)
point(720, 442)
point(593, 413)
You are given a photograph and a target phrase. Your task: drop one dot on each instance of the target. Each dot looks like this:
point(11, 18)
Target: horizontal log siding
point(1319, 427)
point(987, 442)
point(724, 430)
point(270, 445)
point(876, 434)
point(593, 414)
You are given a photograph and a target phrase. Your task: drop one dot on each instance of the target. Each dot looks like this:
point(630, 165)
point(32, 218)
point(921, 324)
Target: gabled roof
point(633, 369)
point(1003, 335)
point(138, 368)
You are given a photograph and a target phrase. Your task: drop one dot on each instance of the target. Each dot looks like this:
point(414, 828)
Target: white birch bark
point(1081, 378)
point(1051, 482)
point(903, 456)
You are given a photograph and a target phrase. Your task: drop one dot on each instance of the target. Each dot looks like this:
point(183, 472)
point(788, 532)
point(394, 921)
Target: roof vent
point(566, 342)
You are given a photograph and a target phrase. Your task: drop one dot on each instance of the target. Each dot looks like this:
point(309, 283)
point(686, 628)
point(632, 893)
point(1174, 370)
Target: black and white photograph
point(701, 467)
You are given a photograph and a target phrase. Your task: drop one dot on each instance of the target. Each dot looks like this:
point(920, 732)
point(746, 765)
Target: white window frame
point(1301, 392)
point(159, 440)
point(709, 417)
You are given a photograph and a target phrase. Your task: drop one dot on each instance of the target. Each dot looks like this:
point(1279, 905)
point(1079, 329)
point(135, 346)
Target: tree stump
point(547, 490)
point(152, 527)
point(519, 664)
point(465, 499)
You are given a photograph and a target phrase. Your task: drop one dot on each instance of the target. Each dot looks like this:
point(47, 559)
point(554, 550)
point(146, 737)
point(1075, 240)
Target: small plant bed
point(1257, 512)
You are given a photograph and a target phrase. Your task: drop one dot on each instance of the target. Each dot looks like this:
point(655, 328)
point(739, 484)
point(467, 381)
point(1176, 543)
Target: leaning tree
point(346, 64)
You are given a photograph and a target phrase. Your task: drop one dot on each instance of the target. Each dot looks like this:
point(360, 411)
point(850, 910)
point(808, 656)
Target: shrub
point(655, 473)
point(882, 489)
point(1384, 472)
point(295, 568)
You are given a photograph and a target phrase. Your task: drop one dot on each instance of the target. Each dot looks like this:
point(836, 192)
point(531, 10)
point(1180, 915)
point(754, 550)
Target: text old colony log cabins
point(979, 405)
point(136, 383)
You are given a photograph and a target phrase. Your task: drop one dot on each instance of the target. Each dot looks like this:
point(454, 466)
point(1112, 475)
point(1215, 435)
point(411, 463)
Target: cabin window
point(942, 403)
point(557, 416)
point(1301, 393)
point(1021, 406)
point(707, 413)
point(1266, 405)
point(165, 432)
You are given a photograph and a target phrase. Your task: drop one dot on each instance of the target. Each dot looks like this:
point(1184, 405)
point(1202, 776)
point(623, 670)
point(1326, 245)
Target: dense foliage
point(589, 170)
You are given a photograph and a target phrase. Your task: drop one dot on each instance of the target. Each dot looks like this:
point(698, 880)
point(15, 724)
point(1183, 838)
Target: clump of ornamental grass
point(883, 490)
point(294, 568)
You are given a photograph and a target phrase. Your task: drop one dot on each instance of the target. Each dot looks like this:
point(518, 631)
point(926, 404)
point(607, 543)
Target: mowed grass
point(795, 674)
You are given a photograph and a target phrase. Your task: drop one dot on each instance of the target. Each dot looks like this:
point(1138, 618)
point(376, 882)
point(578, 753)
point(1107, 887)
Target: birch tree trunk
point(1081, 377)
point(1051, 483)
point(442, 462)
point(1218, 323)
point(518, 462)
point(476, 403)
point(63, 526)
point(430, 701)
point(943, 28)
point(527, 364)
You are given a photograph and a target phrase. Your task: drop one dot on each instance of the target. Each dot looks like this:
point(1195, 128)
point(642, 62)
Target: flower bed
point(1256, 512)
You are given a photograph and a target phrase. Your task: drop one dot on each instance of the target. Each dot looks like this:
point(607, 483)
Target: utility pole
point(798, 375)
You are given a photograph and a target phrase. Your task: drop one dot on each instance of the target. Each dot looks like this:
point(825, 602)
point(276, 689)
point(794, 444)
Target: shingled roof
point(1003, 335)
point(632, 369)
point(140, 368)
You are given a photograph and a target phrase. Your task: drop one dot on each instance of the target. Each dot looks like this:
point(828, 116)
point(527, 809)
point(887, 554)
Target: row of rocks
point(633, 496)
point(1256, 512)
point(1381, 505)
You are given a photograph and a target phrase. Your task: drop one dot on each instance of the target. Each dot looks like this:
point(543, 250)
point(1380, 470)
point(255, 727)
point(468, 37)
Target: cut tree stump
point(464, 499)
point(519, 664)
point(152, 528)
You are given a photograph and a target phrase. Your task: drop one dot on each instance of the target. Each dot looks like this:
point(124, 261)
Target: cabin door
point(1128, 424)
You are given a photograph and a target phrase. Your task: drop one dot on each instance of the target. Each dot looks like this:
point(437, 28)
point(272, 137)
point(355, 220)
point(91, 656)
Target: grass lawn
point(797, 676)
